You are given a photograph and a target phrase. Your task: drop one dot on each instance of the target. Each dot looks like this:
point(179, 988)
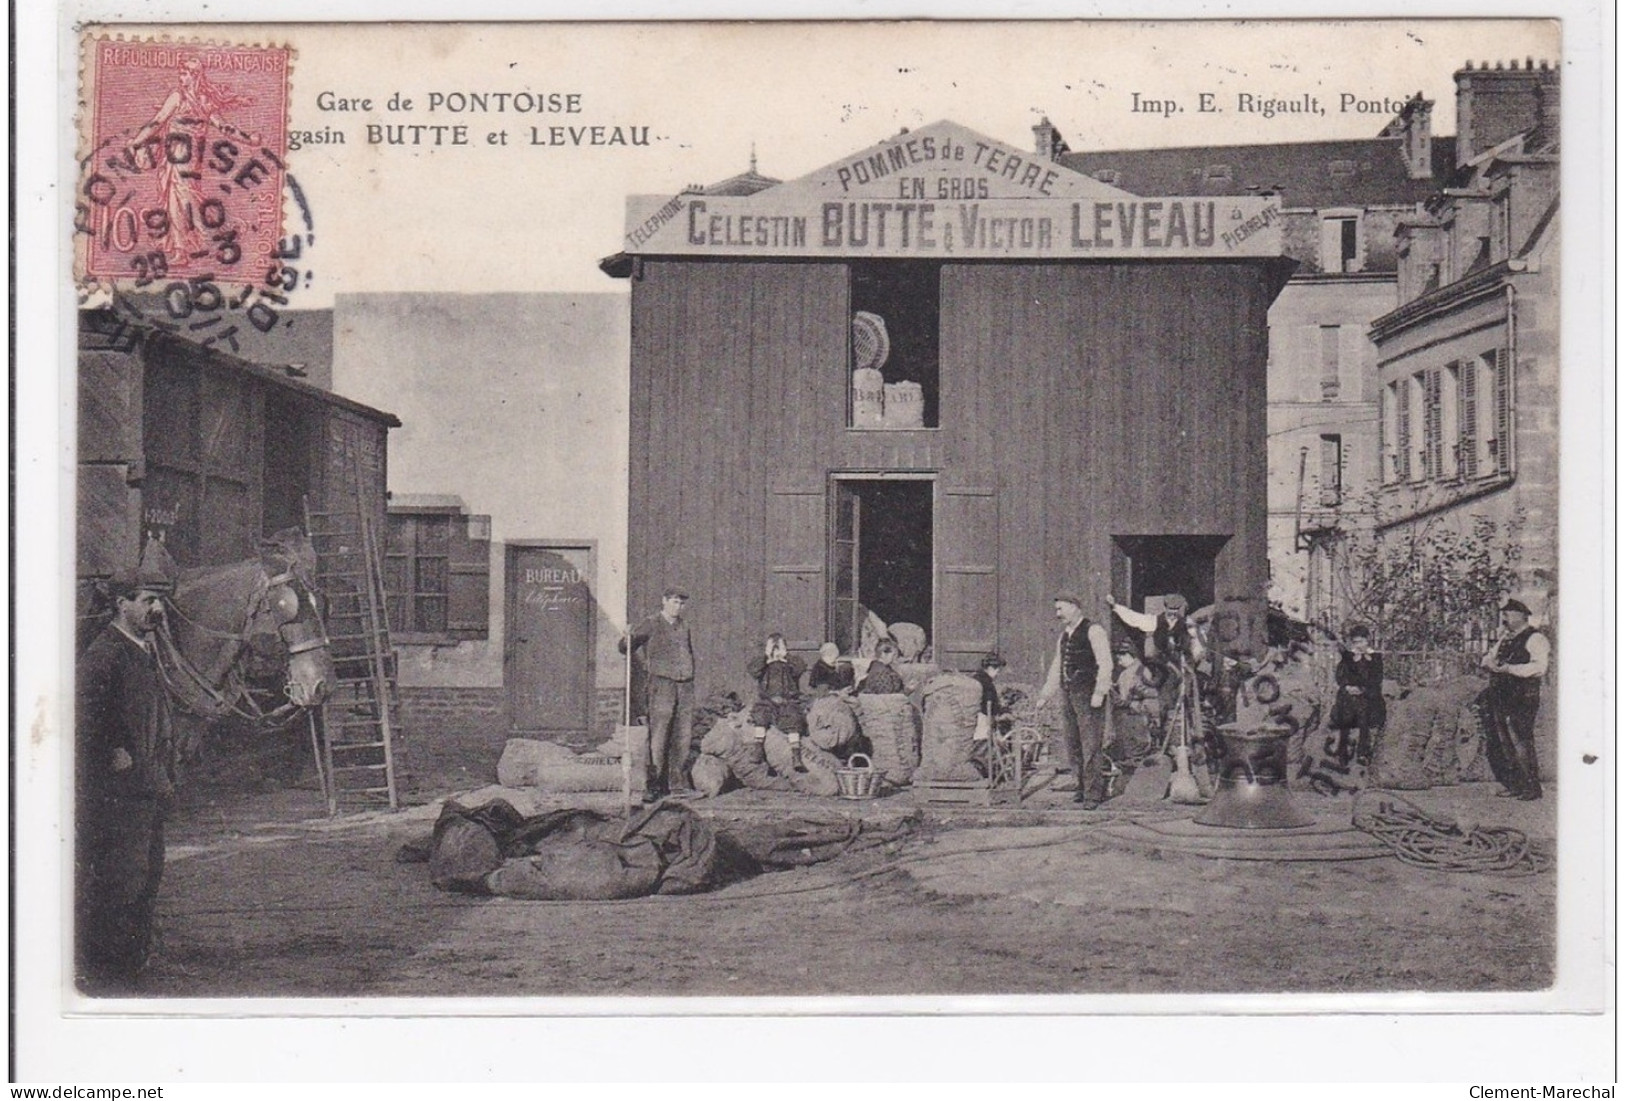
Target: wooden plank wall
point(1078, 402)
point(347, 438)
point(727, 367)
point(1116, 399)
point(110, 454)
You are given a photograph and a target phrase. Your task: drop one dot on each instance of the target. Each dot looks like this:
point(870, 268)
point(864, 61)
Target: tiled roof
point(746, 183)
point(1314, 174)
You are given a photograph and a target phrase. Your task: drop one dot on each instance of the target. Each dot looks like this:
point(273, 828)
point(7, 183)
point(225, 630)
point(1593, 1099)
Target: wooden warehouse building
point(205, 450)
point(943, 379)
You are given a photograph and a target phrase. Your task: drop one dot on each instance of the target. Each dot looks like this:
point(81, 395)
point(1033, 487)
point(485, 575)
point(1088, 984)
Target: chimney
point(1549, 107)
point(1414, 128)
point(1047, 141)
point(1493, 105)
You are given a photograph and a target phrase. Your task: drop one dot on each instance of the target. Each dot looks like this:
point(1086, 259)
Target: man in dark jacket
point(668, 654)
point(124, 785)
point(1516, 663)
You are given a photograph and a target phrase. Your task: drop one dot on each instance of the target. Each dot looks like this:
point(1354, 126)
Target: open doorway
point(1147, 567)
point(881, 554)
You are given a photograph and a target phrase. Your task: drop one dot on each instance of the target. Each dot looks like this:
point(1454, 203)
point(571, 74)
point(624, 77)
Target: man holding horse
point(124, 783)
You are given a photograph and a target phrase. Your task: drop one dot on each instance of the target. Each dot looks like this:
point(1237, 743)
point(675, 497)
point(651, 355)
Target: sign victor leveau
point(947, 192)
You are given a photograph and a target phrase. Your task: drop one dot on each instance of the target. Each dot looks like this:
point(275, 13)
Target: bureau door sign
point(550, 609)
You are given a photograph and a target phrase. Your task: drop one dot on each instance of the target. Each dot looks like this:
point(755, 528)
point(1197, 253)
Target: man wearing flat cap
point(668, 654)
point(1082, 676)
point(1515, 663)
point(123, 781)
point(1172, 644)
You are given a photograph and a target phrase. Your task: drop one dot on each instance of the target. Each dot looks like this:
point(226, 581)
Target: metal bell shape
point(1251, 793)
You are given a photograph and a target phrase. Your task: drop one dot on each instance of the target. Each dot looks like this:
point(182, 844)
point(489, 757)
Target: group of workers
point(1153, 684)
point(124, 764)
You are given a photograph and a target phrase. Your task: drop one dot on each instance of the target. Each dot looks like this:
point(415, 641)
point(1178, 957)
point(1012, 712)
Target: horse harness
point(224, 690)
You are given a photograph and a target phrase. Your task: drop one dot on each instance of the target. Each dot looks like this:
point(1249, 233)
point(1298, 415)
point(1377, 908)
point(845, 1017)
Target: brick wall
point(450, 739)
point(429, 708)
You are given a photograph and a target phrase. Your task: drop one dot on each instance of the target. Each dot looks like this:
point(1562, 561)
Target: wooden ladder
point(356, 752)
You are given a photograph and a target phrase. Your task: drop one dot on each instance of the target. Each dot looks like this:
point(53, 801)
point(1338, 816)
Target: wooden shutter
point(1467, 422)
point(1331, 471)
point(1385, 433)
point(1503, 411)
point(1329, 349)
point(1432, 426)
point(468, 579)
point(967, 533)
point(795, 571)
point(1402, 430)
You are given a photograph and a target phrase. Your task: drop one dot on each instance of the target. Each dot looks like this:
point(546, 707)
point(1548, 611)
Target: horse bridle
point(269, 598)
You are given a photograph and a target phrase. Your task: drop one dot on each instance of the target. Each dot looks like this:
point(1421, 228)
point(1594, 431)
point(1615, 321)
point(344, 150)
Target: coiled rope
point(1426, 842)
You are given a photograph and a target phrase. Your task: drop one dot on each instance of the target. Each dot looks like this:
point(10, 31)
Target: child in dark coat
point(777, 674)
point(1359, 705)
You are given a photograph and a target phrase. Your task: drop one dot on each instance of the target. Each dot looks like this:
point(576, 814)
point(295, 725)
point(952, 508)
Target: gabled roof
point(1356, 172)
point(746, 183)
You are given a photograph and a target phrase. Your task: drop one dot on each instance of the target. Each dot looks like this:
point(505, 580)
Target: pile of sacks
point(1434, 737)
point(885, 727)
point(948, 741)
point(732, 756)
point(530, 763)
point(888, 728)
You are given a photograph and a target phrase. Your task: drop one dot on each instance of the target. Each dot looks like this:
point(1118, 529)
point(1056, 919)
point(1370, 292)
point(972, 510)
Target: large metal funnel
point(1252, 792)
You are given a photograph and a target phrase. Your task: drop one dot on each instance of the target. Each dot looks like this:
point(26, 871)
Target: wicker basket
point(858, 783)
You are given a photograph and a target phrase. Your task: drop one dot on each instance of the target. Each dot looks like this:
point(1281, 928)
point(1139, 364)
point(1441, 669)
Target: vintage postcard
point(792, 520)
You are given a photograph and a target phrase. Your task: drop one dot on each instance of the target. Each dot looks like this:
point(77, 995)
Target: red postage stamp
point(184, 174)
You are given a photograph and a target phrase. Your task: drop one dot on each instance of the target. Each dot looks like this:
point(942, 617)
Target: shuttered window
point(1501, 373)
point(1330, 381)
point(1450, 421)
point(1331, 471)
point(1401, 392)
point(1432, 426)
point(1399, 439)
point(1387, 435)
point(437, 569)
point(1468, 437)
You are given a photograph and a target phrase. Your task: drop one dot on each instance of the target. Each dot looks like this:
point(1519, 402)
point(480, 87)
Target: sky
point(522, 216)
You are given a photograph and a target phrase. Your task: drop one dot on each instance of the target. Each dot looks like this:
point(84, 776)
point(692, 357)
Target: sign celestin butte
point(947, 192)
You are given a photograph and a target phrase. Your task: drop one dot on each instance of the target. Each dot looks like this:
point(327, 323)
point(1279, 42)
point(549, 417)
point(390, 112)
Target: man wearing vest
point(1082, 675)
point(1516, 663)
point(668, 654)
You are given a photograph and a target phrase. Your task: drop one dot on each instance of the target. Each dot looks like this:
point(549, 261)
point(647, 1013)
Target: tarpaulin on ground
point(492, 849)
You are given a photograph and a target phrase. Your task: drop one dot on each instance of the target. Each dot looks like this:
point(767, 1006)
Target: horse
point(245, 643)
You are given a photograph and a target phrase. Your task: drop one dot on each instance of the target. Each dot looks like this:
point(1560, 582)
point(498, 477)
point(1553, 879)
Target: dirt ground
point(266, 897)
